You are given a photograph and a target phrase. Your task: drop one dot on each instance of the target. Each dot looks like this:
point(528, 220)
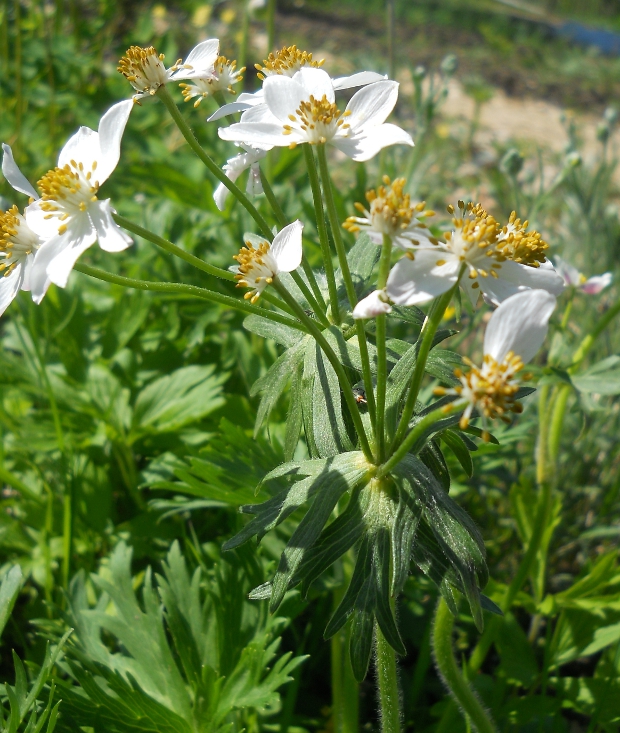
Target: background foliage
point(127, 425)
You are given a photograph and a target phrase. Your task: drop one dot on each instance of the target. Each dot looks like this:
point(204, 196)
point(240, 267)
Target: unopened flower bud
point(449, 64)
point(512, 162)
point(602, 132)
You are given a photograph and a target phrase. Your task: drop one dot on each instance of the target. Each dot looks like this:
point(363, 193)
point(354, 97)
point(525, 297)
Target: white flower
point(235, 167)
point(222, 77)
point(391, 212)
point(144, 68)
point(499, 262)
point(18, 247)
point(573, 278)
point(69, 217)
point(515, 333)
point(287, 62)
point(301, 109)
point(372, 305)
point(261, 262)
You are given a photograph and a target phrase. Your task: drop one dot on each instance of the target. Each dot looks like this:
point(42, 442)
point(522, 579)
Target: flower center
point(257, 269)
point(67, 191)
point(514, 243)
point(286, 62)
point(492, 389)
point(319, 119)
point(224, 76)
point(143, 68)
point(17, 240)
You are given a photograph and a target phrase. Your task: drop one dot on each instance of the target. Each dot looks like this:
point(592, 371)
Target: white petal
point(412, 282)
point(82, 147)
point(316, 82)
point(372, 305)
point(283, 95)
point(514, 277)
point(37, 221)
point(201, 58)
point(111, 129)
point(254, 185)
point(371, 105)
point(228, 109)
point(286, 247)
point(370, 142)
point(519, 325)
point(260, 113)
point(221, 192)
point(57, 256)
point(9, 287)
point(13, 175)
point(110, 236)
point(257, 134)
point(357, 80)
point(595, 284)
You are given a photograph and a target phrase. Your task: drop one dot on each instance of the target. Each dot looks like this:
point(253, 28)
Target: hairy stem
point(334, 224)
point(191, 291)
point(273, 201)
point(191, 140)
point(418, 431)
point(322, 230)
point(431, 324)
point(384, 271)
point(387, 678)
point(451, 674)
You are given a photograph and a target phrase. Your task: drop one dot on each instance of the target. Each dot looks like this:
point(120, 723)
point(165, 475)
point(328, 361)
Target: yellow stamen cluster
point(286, 61)
point(527, 248)
point(68, 190)
point(225, 75)
point(390, 210)
point(491, 389)
point(256, 270)
point(9, 233)
point(144, 69)
point(318, 118)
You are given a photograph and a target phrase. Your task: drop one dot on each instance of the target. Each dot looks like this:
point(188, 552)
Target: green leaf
point(382, 608)
point(294, 419)
point(362, 631)
point(517, 659)
point(601, 378)
point(273, 383)
point(459, 447)
point(362, 258)
point(433, 459)
point(186, 395)
point(9, 590)
point(280, 333)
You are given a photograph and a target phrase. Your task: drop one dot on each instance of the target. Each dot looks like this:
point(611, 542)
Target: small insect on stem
point(360, 395)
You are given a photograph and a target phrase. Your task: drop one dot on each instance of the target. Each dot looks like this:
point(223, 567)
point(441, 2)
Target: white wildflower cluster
point(297, 104)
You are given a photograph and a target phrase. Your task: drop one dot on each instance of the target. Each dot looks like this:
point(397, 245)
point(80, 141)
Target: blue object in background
point(606, 41)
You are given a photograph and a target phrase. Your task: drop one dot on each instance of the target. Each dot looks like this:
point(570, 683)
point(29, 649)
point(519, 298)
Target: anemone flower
point(372, 305)
point(302, 109)
point(574, 279)
point(260, 262)
point(498, 261)
point(68, 217)
point(514, 334)
point(234, 168)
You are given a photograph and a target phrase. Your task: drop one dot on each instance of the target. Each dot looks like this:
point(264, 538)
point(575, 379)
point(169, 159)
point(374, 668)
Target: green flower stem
point(220, 99)
point(191, 291)
point(345, 689)
point(322, 229)
point(318, 311)
point(557, 423)
point(588, 341)
point(345, 386)
point(187, 133)
point(387, 677)
point(173, 249)
point(416, 433)
point(316, 298)
point(429, 329)
point(384, 271)
point(271, 25)
point(334, 224)
point(351, 294)
point(273, 201)
point(451, 674)
point(187, 257)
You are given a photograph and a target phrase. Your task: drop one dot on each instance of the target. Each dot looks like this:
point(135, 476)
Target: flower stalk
point(384, 271)
point(387, 677)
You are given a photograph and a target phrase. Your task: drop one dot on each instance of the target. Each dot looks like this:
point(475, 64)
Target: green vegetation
point(129, 429)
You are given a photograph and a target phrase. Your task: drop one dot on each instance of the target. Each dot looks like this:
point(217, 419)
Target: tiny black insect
point(360, 395)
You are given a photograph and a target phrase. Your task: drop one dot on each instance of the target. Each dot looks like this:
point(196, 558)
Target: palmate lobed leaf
point(186, 665)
